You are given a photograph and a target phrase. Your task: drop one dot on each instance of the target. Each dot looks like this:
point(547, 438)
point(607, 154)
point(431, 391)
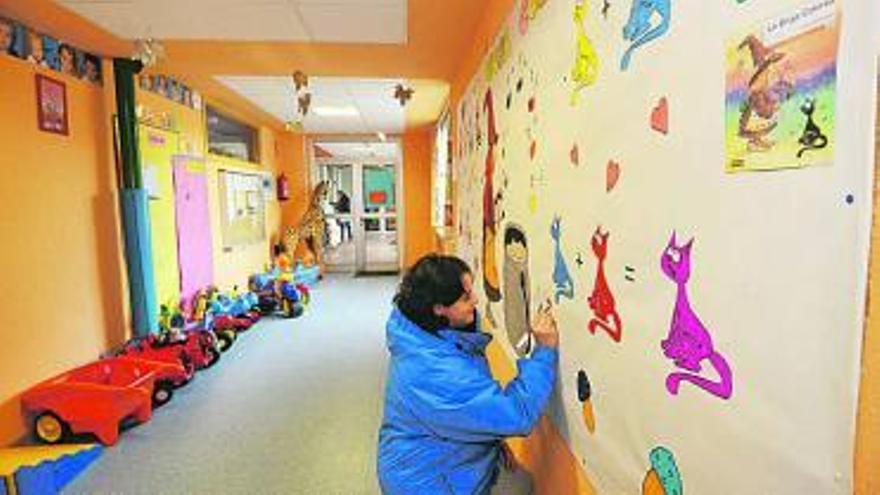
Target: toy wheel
point(49, 428)
point(212, 357)
point(295, 310)
point(162, 393)
point(225, 339)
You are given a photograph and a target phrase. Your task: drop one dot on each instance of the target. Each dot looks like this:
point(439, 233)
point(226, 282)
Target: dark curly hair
point(434, 279)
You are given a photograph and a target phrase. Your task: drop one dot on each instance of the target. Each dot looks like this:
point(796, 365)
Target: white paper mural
point(710, 322)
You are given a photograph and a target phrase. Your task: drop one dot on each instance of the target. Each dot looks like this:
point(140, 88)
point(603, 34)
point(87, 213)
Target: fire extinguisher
point(283, 187)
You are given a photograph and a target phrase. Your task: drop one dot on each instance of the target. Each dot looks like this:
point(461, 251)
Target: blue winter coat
point(445, 415)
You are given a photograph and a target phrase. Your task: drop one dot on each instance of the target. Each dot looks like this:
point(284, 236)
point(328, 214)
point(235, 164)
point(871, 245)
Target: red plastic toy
point(94, 398)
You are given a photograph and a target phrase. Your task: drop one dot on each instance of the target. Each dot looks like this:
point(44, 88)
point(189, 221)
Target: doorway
point(363, 207)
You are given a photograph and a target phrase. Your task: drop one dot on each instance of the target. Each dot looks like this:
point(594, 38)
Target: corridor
point(295, 408)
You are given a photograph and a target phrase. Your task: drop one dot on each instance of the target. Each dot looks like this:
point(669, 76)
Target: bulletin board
point(672, 175)
point(242, 208)
point(157, 149)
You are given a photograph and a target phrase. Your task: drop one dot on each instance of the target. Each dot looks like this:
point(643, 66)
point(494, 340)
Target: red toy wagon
point(94, 398)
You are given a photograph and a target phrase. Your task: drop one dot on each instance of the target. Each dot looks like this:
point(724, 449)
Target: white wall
point(779, 261)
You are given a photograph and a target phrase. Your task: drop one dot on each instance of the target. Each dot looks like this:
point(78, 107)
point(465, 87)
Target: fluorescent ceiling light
point(348, 111)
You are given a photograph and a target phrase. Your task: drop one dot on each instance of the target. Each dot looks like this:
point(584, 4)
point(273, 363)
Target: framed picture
point(51, 105)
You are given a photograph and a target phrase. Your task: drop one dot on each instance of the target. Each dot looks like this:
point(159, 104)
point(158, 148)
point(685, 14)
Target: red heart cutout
point(573, 155)
point(660, 116)
point(612, 173)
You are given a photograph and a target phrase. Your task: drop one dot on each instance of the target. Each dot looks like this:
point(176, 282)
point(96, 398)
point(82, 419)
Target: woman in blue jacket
point(445, 415)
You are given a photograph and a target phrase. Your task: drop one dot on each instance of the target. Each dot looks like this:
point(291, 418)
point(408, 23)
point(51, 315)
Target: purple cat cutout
point(689, 342)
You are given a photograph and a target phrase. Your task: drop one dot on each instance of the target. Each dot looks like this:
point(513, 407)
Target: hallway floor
point(294, 407)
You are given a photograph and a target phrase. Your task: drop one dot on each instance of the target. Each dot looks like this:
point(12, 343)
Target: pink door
point(194, 246)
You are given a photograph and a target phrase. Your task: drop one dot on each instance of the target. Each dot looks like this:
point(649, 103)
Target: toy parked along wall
point(94, 398)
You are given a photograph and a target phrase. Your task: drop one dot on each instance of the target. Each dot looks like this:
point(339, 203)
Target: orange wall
point(418, 234)
point(292, 161)
point(63, 294)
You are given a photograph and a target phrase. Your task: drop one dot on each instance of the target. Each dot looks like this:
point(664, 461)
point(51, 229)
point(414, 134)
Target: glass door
point(361, 211)
point(339, 245)
point(377, 250)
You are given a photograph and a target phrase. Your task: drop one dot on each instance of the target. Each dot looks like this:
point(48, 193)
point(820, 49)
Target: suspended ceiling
point(420, 41)
point(350, 21)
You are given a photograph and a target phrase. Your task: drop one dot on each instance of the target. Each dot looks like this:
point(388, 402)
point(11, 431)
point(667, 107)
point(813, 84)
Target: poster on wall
point(781, 83)
point(51, 105)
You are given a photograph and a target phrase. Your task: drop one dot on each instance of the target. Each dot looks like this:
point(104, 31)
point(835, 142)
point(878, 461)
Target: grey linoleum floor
point(294, 407)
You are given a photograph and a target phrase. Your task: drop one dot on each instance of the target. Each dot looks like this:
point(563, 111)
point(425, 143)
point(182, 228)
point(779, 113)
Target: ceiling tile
point(354, 23)
point(276, 95)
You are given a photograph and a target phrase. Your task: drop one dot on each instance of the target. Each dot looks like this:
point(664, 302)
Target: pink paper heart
point(612, 174)
point(660, 116)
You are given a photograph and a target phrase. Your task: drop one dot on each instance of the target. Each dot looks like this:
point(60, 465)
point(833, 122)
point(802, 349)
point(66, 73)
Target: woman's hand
point(544, 326)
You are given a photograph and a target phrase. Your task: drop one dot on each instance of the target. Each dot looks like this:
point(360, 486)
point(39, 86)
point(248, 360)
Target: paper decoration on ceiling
point(811, 137)
point(304, 101)
point(586, 61)
point(490, 266)
point(601, 301)
point(612, 174)
point(300, 80)
point(148, 51)
point(660, 116)
point(517, 300)
point(606, 6)
point(663, 478)
point(574, 155)
point(562, 281)
point(585, 394)
point(689, 343)
point(403, 94)
point(638, 29)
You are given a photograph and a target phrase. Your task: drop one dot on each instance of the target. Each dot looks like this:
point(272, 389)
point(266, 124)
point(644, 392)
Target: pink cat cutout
point(689, 343)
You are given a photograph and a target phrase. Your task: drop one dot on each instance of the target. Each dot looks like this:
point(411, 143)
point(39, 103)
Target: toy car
point(94, 398)
point(150, 349)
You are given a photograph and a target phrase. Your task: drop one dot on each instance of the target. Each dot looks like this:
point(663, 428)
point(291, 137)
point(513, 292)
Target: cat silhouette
point(638, 29)
point(602, 300)
point(561, 278)
point(812, 137)
point(689, 343)
point(586, 62)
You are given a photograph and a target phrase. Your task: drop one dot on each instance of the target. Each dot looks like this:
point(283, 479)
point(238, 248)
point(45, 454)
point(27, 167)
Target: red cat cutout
point(602, 300)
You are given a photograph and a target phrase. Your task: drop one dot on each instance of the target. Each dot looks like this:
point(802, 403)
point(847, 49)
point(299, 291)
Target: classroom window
point(230, 137)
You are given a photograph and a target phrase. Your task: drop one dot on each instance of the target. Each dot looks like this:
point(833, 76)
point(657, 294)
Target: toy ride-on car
point(96, 397)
